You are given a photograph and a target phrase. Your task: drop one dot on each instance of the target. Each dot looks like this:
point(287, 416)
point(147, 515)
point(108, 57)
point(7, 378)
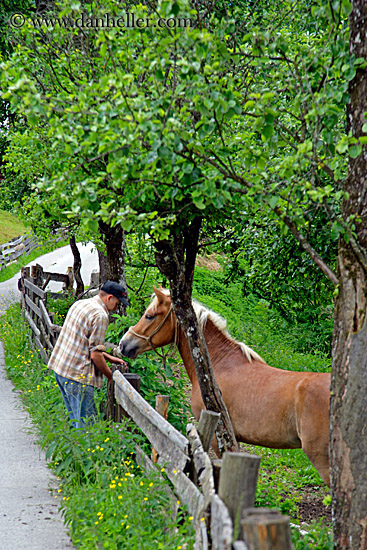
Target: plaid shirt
point(83, 331)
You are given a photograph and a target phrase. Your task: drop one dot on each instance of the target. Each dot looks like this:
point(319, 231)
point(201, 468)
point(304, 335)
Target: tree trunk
point(348, 410)
point(77, 266)
point(176, 260)
point(112, 260)
point(102, 261)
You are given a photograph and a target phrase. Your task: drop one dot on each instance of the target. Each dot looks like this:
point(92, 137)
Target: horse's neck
point(219, 347)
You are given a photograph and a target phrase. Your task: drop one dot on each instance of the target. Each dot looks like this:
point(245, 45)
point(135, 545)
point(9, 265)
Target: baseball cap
point(116, 290)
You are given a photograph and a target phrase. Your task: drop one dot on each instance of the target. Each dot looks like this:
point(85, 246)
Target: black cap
point(116, 290)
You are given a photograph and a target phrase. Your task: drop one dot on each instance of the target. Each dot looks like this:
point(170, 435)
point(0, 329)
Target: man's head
point(112, 294)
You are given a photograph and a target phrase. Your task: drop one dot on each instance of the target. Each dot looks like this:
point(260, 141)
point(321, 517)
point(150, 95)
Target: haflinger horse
point(269, 407)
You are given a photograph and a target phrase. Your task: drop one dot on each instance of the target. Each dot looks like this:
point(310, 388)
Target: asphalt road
point(29, 516)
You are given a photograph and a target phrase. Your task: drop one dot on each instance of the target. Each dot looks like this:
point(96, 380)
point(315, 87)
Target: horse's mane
point(204, 315)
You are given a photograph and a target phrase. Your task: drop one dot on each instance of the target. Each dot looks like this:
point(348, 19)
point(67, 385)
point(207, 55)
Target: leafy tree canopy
point(160, 124)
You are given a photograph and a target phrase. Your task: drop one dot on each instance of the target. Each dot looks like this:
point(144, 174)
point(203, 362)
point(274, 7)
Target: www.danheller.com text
point(105, 21)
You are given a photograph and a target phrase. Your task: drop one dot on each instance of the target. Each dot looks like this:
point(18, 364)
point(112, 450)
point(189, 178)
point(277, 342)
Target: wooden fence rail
point(34, 302)
point(219, 494)
point(9, 252)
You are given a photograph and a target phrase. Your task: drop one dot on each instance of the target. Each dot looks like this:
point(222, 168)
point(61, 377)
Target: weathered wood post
point(208, 423)
point(217, 467)
point(24, 274)
point(70, 284)
point(39, 276)
point(237, 485)
point(32, 295)
point(161, 406)
point(265, 529)
point(114, 411)
point(111, 411)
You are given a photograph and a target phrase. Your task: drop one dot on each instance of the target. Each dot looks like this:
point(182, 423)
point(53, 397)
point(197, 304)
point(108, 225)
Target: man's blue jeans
point(79, 401)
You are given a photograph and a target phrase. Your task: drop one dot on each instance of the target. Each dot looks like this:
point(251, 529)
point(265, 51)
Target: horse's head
point(155, 329)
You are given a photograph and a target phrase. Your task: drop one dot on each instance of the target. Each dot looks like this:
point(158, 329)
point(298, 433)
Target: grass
point(107, 501)
point(10, 227)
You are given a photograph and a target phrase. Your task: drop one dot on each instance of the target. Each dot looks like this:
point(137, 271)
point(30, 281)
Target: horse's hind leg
point(313, 425)
point(319, 458)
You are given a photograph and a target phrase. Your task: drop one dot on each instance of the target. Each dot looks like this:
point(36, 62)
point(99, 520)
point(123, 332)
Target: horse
point(269, 407)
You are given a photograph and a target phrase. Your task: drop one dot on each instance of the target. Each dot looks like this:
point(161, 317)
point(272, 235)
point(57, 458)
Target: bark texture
point(176, 260)
point(112, 259)
point(77, 266)
point(348, 410)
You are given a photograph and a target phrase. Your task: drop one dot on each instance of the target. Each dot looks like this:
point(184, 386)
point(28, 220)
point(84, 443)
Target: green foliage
point(282, 343)
point(195, 124)
point(165, 379)
point(318, 537)
point(273, 267)
point(60, 307)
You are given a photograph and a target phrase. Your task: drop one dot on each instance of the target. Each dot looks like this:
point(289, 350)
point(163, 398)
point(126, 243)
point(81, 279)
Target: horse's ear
point(160, 294)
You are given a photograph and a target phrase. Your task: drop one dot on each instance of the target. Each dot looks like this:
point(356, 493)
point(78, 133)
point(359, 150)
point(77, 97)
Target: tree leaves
point(178, 120)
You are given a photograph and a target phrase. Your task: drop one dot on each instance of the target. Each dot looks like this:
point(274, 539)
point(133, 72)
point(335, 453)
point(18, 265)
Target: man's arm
point(100, 362)
point(114, 360)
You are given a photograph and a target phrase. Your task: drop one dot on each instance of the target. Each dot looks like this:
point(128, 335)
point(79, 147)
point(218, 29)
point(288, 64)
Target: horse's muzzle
point(128, 347)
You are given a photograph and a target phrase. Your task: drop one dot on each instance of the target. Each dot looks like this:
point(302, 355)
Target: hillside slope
point(10, 227)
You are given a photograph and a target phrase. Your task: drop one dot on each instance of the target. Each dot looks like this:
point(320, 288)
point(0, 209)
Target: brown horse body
point(268, 407)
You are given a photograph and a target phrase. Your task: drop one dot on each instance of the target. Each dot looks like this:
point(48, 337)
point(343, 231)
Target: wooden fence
point(219, 494)
point(32, 284)
point(9, 252)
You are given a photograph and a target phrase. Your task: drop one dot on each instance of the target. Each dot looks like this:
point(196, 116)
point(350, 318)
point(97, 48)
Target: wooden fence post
point(31, 294)
point(70, 284)
point(161, 406)
point(217, 467)
point(265, 529)
point(114, 411)
point(206, 428)
point(237, 484)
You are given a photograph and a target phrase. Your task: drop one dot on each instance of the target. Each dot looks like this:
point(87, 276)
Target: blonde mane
point(204, 315)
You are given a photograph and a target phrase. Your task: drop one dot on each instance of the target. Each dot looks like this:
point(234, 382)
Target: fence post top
point(205, 412)
point(240, 456)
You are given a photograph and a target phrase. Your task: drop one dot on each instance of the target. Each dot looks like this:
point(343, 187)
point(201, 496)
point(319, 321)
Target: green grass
point(107, 500)
point(10, 227)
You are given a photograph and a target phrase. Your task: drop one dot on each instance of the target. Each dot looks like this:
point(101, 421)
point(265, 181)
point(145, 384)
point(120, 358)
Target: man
point(78, 358)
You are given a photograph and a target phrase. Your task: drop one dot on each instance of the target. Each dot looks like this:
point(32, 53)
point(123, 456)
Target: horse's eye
point(149, 317)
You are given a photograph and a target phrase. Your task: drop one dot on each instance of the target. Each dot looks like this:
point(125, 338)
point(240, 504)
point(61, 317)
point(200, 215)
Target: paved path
point(29, 517)
point(58, 261)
